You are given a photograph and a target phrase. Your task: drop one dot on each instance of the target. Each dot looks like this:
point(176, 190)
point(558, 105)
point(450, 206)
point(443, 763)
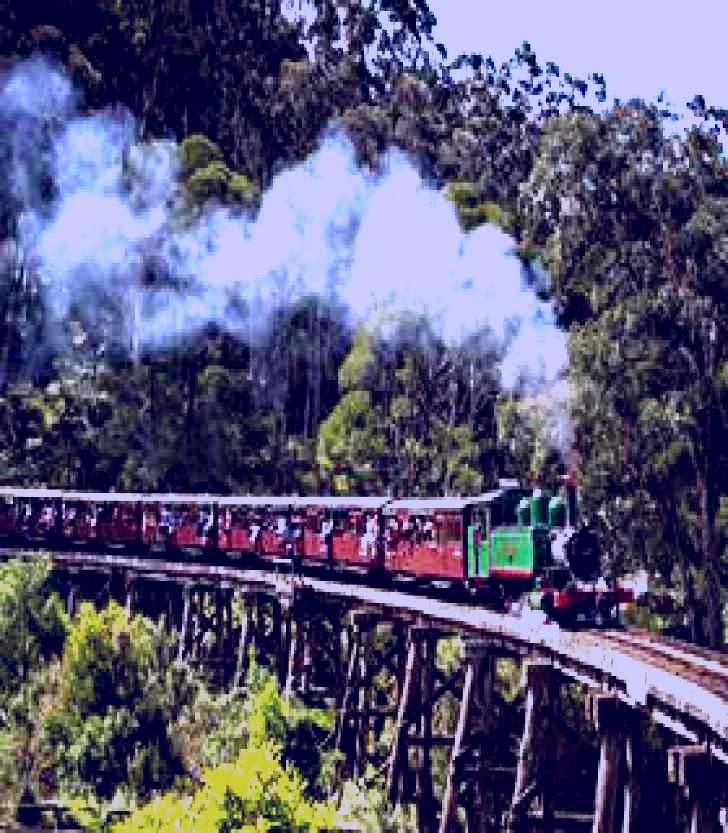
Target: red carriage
point(80, 515)
point(9, 514)
point(118, 520)
point(355, 527)
point(263, 526)
point(425, 537)
point(30, 515)
point(178, 522)
point(343, 530)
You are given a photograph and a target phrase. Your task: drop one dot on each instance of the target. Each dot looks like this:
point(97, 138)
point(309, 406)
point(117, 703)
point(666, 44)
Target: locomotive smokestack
point(569, 485)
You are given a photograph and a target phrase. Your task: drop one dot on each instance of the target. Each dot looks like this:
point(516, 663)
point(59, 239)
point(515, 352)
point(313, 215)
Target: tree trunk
point(708, 511)
point(687, 558)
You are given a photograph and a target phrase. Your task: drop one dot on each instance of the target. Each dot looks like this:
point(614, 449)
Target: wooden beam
point(605, 799)
point(243, 645)
point(228, 633)
point(536, 677)
point(690, 768)
point(292, 629)
point(219, 623)
point(425, 807)
point(608, 715)
point(185, 624)
point(633, 767)
point(362, 722)
point(400, 726)
point(448, 801)
point(343, 715)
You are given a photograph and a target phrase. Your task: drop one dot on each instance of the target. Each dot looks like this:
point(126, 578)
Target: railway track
point(703, 659)
point(681, 661)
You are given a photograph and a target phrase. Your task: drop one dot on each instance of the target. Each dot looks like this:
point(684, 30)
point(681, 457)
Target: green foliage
point(240, 190)
point(472, 209)
point(530, 426)
point(350, 435)
point(110, 724)
point(210, 182)
point(262, 759)
point(198, 152)
point(298, 731)
point(33, 626)
point(33, 622)
point(254, 793)
point(358, 364)
point(630, 224)
point(414, 419)
point(216, 181)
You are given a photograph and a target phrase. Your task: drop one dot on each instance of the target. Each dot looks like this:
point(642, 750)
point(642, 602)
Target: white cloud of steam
point(324, 227)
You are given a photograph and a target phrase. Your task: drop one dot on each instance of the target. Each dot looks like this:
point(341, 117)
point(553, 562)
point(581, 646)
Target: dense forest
point(619, 221)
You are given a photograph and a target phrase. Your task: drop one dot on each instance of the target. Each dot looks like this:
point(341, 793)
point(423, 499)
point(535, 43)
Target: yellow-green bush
point(254, 793)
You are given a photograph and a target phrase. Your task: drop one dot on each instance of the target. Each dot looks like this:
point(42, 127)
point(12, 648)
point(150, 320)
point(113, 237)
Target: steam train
point(506, 544)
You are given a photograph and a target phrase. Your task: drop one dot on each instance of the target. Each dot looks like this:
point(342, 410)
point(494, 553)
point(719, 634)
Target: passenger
point(417, 531)
point(255, 534)
point(207, 524)
point(372, 529)
point(428, 530)
point(392, 534)
point(297, 536)
point(47, 517)
point(405, 528)
point(287, 537)
point(327, 532)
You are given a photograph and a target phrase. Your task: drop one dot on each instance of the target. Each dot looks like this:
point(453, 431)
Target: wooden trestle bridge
point(332, 639)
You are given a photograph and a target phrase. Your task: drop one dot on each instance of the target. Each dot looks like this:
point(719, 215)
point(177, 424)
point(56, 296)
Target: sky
point(641, 46)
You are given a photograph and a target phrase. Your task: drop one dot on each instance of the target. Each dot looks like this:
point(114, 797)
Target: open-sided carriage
point(321, 530)
point(352, 530)
point(426, 538)
point(179, 524)
point(30, 516)
point(106, 519)
point(265, 527)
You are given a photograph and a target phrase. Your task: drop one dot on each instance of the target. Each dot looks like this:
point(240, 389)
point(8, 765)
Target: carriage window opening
point(452, 529)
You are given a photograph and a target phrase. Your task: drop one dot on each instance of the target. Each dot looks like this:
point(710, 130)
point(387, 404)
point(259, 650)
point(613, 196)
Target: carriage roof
point(180, 498)
point(300, 501)
point(134, 497)
point(29, 493)
point(427, 505)
point(102, 497)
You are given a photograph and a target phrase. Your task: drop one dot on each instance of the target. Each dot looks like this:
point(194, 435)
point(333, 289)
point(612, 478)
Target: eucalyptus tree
point(631, 224)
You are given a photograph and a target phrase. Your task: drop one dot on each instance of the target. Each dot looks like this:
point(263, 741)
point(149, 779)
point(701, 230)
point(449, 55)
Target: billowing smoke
point(377, 242)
